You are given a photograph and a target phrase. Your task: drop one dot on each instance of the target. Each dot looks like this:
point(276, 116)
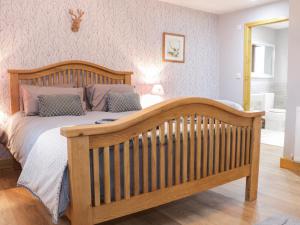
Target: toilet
point(274, 118)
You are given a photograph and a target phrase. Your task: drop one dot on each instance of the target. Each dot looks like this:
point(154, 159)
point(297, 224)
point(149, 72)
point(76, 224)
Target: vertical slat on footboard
point(199, 147)
point(223, 147)
point(136, 164)
point(185, 149)
point(145, 162)
point(96, 176)
point(107, 193)
point(153, 160)
point(248, 145)
point(126, 170)
point(205, 146)
point(228, 146)
point(211, 146)
point(192, 148)
point(238, 148)
point(117, 172)
point(233, 148)
point(170, 153)
point(243, 152)
point(217, 147)
point(162, 170)
point(177, 154)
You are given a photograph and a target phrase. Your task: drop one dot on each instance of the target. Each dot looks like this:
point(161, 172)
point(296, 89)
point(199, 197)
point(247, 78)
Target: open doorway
point(266, 75)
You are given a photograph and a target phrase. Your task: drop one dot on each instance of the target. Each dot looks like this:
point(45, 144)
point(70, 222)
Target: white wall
point(231, 57)
point(293, 77)
point(231, 36)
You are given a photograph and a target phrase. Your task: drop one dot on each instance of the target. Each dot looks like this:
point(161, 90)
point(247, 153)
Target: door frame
point(248, 54)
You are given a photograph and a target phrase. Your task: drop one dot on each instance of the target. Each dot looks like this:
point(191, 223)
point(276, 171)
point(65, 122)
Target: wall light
point(150, 72)
point(3, 117)
point(156, 96)
point(158, 90)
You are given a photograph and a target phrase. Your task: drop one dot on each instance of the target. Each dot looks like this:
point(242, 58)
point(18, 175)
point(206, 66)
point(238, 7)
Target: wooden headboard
point(78, 73)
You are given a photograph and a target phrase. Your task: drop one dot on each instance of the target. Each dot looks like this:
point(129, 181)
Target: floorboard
point(279, 193)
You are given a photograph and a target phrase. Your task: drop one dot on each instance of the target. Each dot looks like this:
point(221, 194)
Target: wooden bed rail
point(163, 153)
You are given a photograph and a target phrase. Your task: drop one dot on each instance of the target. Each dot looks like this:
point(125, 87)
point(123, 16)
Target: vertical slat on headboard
point(128, 79)
point(14, 92)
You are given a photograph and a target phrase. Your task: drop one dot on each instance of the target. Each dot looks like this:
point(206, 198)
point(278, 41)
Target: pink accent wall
point(119, 34)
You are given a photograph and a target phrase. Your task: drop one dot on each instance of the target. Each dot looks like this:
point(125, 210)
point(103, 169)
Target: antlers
point(76, 19)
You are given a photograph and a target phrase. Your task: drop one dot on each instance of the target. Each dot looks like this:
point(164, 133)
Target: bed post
point(252, 180)
point(80, 181)
point(14, 93)
point(128, 78)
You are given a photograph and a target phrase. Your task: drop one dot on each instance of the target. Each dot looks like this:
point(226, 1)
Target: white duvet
point(42, 152)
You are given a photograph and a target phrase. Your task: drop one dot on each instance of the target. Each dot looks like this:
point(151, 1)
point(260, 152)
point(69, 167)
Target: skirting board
point(290, 165)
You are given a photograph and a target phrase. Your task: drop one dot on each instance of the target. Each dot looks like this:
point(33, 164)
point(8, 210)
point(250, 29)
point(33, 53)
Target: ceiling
point(218, 6)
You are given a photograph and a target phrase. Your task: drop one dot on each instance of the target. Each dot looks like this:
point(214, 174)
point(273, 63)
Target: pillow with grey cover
point(97, 94)
point(60, 105)
point(117, 102)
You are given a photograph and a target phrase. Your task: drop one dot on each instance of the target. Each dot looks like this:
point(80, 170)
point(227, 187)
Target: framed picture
point(173, 48)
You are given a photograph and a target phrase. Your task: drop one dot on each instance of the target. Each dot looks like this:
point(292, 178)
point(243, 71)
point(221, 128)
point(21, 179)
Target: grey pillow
point(97, 94)
point(117, 102)
point(60, 105)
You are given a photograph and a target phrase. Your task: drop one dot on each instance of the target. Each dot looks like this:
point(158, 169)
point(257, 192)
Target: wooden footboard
point(163, 153)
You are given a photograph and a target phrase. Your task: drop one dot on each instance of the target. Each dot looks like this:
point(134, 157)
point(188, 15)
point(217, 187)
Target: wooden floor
point(279, 193)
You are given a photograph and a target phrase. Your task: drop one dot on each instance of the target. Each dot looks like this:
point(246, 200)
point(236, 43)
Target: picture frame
point(173, 48)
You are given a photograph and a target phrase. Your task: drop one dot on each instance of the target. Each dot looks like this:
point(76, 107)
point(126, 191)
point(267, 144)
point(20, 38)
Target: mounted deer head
point(76, 19)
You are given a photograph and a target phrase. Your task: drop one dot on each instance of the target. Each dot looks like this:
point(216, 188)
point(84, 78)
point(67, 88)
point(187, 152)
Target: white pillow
point(232, 104)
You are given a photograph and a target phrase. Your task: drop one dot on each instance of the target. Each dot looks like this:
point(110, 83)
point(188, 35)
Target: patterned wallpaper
point(118, 34)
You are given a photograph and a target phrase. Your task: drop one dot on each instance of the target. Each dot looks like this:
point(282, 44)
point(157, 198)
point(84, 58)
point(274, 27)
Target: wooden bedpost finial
point(76, 19)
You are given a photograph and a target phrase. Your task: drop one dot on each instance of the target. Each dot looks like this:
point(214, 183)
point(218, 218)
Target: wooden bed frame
point(210, 144)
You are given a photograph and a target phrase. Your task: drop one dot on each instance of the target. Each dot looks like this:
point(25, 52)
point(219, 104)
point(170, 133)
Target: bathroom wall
point(119, 34)
point(266, 36)
point(278, 84)
point(281, 69)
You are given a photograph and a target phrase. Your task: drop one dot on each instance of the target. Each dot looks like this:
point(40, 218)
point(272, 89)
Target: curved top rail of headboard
point(74, 72)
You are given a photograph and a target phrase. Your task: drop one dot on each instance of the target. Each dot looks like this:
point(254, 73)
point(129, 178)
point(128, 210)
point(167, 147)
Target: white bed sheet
point(23, 131)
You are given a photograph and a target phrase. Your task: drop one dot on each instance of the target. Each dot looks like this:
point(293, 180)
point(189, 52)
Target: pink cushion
point(30, 93)
point(97, 94)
